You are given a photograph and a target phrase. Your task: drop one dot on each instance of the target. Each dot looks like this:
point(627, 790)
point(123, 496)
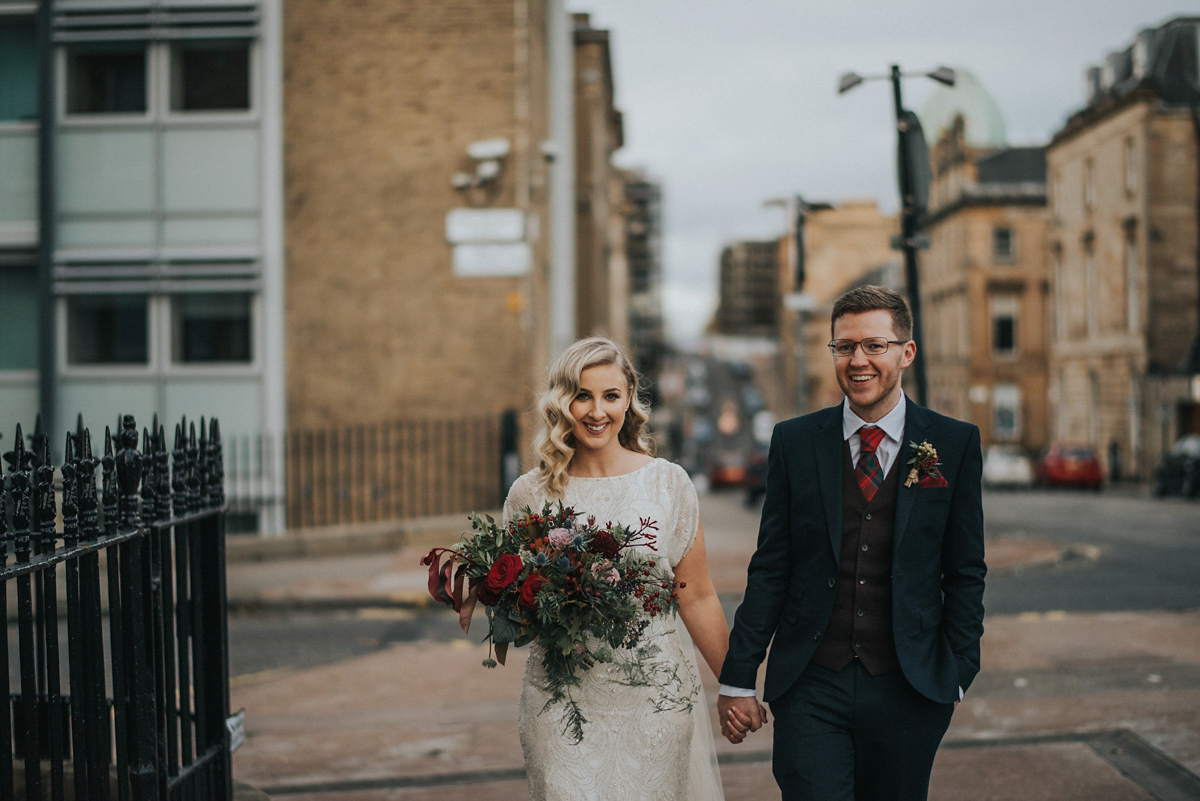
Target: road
point(1125, 552)
point(1122, 551)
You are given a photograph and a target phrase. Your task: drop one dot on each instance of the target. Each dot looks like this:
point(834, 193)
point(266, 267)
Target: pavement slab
point(424, 719)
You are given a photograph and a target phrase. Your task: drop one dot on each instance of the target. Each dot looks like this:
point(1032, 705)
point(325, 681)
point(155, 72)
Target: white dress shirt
point(892, 424)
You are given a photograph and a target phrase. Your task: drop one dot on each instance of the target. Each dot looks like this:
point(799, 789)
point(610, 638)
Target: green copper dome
point(984, 122)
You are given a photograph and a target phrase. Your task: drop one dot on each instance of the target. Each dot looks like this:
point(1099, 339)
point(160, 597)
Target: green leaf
point(504, 629)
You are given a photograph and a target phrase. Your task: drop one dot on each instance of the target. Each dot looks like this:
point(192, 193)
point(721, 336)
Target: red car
point(1068, 464)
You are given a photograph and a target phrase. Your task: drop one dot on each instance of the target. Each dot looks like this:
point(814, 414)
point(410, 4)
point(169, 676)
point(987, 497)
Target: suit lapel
point(829, 471)
point(916, 429)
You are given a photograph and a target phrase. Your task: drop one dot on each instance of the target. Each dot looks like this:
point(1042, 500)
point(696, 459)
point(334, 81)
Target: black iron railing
point(122, 682)
point(393, 470)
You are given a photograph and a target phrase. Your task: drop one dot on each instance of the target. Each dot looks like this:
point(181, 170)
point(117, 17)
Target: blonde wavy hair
point(555, 443)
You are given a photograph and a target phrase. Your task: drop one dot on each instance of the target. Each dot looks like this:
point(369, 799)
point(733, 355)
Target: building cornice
point(1026, 193)
point(1103, 109)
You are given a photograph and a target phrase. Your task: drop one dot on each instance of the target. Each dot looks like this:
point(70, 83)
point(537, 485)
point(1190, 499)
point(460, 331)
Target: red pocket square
point(932, 481)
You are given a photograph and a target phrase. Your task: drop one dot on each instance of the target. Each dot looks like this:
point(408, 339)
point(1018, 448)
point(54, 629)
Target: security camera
point(488, 149)
point(460, 180)
point(487, 170)
point(550, 150)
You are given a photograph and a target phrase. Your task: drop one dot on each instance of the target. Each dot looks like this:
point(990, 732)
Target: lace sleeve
point(687, 512)
point(520, 495)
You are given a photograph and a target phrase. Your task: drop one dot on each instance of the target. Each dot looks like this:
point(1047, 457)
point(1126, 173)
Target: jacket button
point(832, 582)
point(817, 636)
point(858, 644)
point(864, 548)
point(859, 613)
point(868, 515)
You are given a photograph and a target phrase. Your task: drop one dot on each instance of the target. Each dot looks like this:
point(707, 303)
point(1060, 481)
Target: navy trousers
point(851, 736)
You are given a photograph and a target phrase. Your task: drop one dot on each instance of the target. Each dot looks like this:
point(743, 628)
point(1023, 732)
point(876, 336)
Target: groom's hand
point(739, 715)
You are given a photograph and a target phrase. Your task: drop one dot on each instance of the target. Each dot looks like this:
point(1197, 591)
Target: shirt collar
point(892, 423)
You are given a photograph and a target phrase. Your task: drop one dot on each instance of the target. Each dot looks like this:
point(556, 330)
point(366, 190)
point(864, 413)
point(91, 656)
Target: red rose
point(604, 544)
point(504, 572)
point(529, 590)
point(485, 596)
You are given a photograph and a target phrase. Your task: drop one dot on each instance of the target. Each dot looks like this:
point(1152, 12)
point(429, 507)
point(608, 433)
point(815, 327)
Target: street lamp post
point(913, 177)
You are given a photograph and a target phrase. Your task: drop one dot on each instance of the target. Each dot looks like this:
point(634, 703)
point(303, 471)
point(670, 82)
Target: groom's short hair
point(874, 298)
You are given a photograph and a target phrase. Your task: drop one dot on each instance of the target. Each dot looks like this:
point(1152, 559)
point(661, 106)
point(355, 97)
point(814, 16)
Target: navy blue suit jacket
point(937, 558)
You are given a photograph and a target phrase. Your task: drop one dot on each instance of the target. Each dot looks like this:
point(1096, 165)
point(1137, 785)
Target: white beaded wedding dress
point(639, 742)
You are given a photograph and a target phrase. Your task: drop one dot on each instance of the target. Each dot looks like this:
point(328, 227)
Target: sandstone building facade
point(984, 289)
point(1123, 252)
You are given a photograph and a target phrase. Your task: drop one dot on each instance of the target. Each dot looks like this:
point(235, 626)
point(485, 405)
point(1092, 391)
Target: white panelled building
point(167, 263)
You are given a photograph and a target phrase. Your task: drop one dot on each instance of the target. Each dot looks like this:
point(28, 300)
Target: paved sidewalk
point(1096, 706)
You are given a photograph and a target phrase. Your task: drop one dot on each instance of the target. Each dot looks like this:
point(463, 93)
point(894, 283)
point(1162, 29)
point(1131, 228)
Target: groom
point(867, 582)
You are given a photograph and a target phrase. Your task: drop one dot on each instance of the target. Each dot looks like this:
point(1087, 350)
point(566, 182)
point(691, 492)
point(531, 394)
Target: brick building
point(642, 218)
point(843, 243)
point(984, 289)
point(602, 270)
point(418, 206)
point(1123, 250)
point(750, 295)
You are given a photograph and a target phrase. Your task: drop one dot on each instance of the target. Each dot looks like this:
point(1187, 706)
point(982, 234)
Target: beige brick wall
point(381, 100)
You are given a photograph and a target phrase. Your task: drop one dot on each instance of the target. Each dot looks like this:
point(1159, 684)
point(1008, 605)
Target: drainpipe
point(47, 367)
point(560, 51)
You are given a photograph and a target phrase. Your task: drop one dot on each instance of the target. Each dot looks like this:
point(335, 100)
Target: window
point(1131, 171)
point(107, 329)
point(18, 70)
point(1002, 244)
point(1006, 401)
point(1132, 299)
point(1060, 290)
point(1004, 325)
point(211, 328)
point(1089, 184)
point(1092, 287)
point(108, 78)
point(210, 75)
point(18, 317)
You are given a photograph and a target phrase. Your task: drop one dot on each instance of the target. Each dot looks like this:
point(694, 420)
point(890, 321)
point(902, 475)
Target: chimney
point(1143, 52)
point(1095, 85)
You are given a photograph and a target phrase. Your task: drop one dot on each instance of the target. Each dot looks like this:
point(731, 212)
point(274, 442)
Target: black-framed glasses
point(872, 346)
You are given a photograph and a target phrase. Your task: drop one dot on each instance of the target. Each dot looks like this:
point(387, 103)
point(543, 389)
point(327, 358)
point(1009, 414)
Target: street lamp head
point(848, 82)
point(943, 75)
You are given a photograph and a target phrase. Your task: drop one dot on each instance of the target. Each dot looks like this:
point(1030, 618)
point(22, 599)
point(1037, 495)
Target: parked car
point(1179, 471)
point(1006, 466)
point(756, 476)
point(1069, 464)
point(727, 469)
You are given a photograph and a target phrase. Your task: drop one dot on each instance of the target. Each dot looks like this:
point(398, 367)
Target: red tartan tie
point(869, 473)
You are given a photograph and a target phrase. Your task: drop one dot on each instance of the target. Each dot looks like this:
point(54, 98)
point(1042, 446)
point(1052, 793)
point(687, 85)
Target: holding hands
point(740, 715)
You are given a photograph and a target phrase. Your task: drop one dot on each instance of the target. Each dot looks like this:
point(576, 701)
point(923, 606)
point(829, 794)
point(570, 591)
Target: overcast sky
point(731, 102)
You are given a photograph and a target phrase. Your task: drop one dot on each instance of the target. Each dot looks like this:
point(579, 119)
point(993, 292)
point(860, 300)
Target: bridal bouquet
point(575, 587)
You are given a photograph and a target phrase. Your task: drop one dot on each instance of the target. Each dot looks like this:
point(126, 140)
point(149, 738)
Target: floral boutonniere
point(924, 467)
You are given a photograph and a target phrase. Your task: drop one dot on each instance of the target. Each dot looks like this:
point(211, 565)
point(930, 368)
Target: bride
point(641, 740)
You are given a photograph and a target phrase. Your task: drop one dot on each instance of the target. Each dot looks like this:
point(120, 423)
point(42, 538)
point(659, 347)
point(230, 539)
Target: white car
point(1006, 466)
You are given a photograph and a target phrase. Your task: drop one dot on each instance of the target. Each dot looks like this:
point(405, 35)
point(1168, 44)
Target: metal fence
point(122, 671)
point(399, 469)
